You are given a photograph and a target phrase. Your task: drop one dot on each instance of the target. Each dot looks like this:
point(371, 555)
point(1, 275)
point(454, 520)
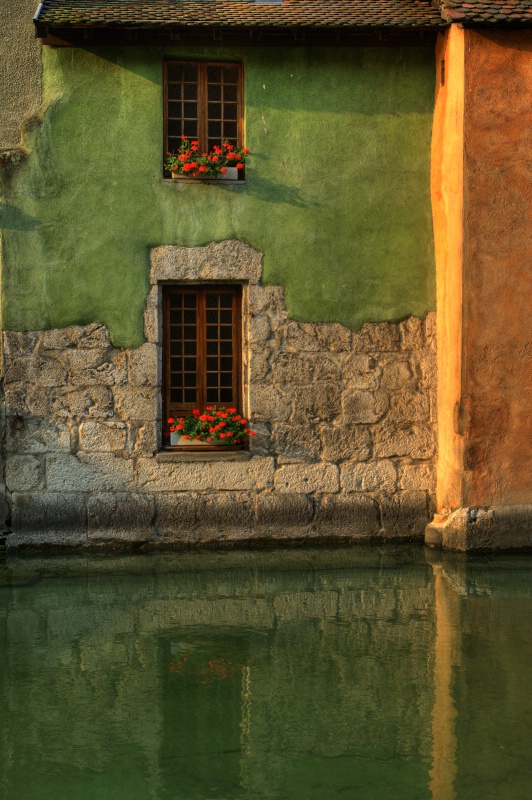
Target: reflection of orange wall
point(497, 269)
point(447, 204)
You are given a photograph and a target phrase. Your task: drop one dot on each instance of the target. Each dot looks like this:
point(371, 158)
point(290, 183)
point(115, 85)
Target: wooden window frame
point(202, 101)
point(201, 291)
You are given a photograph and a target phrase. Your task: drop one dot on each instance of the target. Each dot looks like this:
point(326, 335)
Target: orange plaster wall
point(447, 205)
point(497, 269)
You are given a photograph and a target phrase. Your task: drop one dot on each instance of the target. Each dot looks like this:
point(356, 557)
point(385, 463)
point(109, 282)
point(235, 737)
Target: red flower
point(231, 410)
point(204, 417)
point(198, 437)
point(223, 169)
point(171, 421)
point(245, 150)
point(186, 436)
point(229, 433)
point(240, 166)
point(222, 436)
point(203, 169)
point(244, 421)
point(195, 142)
point(209, 439)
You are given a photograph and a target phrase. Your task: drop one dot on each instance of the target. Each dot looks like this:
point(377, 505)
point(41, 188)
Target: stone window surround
point(227, 262)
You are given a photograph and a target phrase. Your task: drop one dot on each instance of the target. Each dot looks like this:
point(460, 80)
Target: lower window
point(201, 348)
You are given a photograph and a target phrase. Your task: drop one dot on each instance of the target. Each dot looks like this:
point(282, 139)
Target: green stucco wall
point(336, 193)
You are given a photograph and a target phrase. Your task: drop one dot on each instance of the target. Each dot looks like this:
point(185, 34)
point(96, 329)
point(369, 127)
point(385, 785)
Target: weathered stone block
point(267, 298)
point(38, 400)
point(257, 473)
point(135, 404)
point(416, 441)
point(229, 260)
point(348, 515)
point(151, 316)
point(120, 517)
point(307, 478)
point(315, 402)
point(406, 407)
point(81, 365)
point(34, 435)
point(377, 338)
point(281, 516)
point(341, 442)
point(361, 372)
point(268, 404)
point(146, 439)
point(17, 344)
point(225, 515)
point(405, 515)
point(364, 406)
point(292, 369)
point(417, 477)
point(143, 365)
point(397, 374)
point(430, 329)
point(298, 442)
point(105, 437)
point(175, 514)
point(23, 473)
point(260, 366)
point(84, 336)
point(428, 369)
point(260, 329)
point(312, 337)
point(112, 372)
point(55, 518)
point(375, 476)
point(412, 333)
point(15, 400)
point(95, 402)
point(88, 472)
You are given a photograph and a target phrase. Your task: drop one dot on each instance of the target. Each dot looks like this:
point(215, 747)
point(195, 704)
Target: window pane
point(175, 317)
point(230, 93)
point(190, 364)
point(190, 91)
point(190, 129)
point(212, 348)
point(176, 396)
point(189, 317)
point(226, 332)
point(189, 300)
point(230, 111)
point(230, 74)
point(214, 110)
point(226, 300)
point(212, 379)
point(215, 130)
point(226, 379)
point(212, 364)
point(226, 316)
point(175, 72)
point(189, 348)
point(190, 110)
point(226, 364)
point(176, 348)
point(226, 348)
point(226, 396)
point(212, 396)
point(214, 92)
point(176, 364)
point(189, 379)
point(174, 128)
point(189, 332)
point(214, 74)
point(190, 395)
point(174, 91)
point(211, 301)
point(190, 73)
point(212, 315)
point(212, 332)
point(230, 131)
point(175, 110)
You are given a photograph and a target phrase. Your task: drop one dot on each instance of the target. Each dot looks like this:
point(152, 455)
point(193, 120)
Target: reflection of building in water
point(261, 684)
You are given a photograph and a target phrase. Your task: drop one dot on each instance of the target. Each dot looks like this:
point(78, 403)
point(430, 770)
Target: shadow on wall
point(12, 219)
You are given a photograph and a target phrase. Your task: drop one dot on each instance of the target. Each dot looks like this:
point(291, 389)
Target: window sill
point(203, 455)
point(211, 181)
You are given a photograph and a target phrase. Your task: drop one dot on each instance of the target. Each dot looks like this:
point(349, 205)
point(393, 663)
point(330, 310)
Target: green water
point(358, 674)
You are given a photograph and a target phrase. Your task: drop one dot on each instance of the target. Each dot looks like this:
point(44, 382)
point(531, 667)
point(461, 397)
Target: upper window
point(201, 352)
point(202, 101)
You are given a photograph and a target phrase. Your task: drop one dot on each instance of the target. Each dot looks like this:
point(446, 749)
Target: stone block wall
point(345, 423)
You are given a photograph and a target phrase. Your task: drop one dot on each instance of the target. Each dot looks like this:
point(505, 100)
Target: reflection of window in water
point(204, 678)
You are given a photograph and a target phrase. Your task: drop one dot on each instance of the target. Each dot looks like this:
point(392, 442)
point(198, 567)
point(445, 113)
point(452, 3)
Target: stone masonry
point(345, 423)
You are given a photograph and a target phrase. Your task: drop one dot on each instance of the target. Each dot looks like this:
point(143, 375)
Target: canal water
point(356, 674)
